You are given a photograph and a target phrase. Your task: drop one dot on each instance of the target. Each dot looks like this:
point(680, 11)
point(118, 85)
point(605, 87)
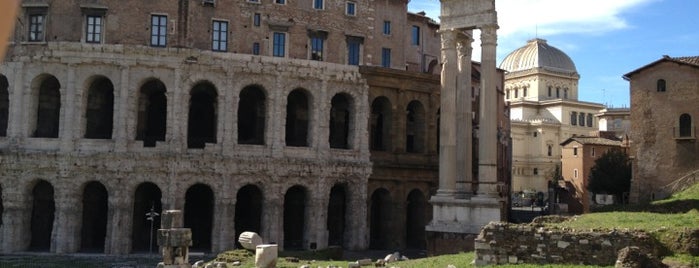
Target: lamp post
point(150, 216)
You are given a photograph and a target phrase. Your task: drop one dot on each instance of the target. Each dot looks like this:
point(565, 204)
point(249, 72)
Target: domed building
point(541, 86)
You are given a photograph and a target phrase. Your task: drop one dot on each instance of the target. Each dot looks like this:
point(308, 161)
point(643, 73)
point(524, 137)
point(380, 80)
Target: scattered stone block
point(364, 262)
point(291, 259)
point(250, 240)
point(266, 256)
point(354, 264)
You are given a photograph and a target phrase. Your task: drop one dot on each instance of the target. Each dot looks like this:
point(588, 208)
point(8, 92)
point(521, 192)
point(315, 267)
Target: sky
point(605, 38)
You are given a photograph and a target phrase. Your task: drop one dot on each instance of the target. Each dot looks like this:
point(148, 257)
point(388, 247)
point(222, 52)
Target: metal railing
point(680, 184)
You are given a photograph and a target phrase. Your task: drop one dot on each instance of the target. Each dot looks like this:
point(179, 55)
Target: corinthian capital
point(489, 35)
point(448, 39)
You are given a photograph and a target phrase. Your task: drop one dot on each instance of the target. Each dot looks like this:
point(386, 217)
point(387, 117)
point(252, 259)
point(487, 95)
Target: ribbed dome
point(538, 54)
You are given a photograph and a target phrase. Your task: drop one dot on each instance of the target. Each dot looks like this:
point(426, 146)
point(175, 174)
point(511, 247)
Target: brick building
point(663, 133)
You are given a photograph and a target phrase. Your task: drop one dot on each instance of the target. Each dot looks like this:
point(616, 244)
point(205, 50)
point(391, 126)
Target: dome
point(538, 54)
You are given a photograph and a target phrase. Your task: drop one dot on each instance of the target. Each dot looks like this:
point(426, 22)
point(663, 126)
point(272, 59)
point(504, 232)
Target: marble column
point(487, 135)
point(447, 120)
point(464, 113)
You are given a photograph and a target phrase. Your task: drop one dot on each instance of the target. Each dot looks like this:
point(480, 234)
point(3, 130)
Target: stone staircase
point(678, 185)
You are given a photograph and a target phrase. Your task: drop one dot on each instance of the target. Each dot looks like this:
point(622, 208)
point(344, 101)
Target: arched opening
point(248, 211)
point(146, 199)
point(43, 209)
point(94, 224)
point(48, 109)
point(337, 207)
point(297, 118)
point(4, 105)
point(415, 220)
point(380, 219)
point(202, 116)
point(381, 124)
point(152, 113)
point(415, 128)
point(661, 85)
point(199, 214)
point(100, 109)
point(685, 125)
point(340, 121)
point(294, 218)
point(251, 116)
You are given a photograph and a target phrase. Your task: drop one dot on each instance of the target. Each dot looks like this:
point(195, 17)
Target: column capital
point(448, 39)
point(489, 34)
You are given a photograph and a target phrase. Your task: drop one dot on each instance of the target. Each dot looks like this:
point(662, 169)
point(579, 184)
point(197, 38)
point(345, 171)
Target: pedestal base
point(457, 222)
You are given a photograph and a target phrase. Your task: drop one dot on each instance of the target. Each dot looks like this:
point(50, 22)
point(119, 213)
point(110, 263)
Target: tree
point(611, 174)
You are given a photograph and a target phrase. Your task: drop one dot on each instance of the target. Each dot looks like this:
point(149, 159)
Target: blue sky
point(605, 38)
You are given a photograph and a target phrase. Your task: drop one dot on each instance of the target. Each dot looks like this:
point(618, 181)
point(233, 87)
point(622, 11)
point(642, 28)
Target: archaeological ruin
point(313, 123)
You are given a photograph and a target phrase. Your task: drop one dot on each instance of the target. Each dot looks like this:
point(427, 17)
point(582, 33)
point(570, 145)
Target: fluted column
point(464, 111)
point(447, 120)
point(487, 135)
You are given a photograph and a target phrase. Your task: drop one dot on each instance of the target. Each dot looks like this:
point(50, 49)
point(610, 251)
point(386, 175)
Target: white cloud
point(520, 20)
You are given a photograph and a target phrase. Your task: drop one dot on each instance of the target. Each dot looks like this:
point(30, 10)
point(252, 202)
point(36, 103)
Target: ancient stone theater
point(311, 122)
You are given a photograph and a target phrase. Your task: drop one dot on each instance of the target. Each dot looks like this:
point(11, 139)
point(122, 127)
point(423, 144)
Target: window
point(535, 134)
point(36, 27)
point(524, 92)
point(516, 93)
point(353, 50)
point(507, 94)
point(558, 92)
point(592, 151)
point(256, 48)
point(685, 125)
point(573, 118)
point(254, 1)
point(279, 45)
point(219, 36)
point(575, 151)
point(575, 173)
point(387, 27)
point(535, 171)
point(661, 85)
point(318, 4)
point(93, 29)
point(589, 120)
point(550, 91)
point(281, 2)
point(386, 57)
point(158, 30)
point(581, 119)
point(550, 150)
point(351, 8)
point(565, 93)
point(317, 48)
point(415, 36)
point(256, 20)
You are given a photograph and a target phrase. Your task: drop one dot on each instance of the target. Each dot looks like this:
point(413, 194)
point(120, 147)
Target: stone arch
point(152, 113)
point(99, 111)
point(340, 121)
point(415, 220)
point(297, 118)
point(94, 219)
point(252, 115)
point(415, 127)
point(199, 215)
point(337, 215)
point(48, 106)
point(202, 121)
point(295, 201)
point(381, 215)
point(248, 211)
point(381, 124)
point(4, 105)
point(42, 217)
point(147, 198)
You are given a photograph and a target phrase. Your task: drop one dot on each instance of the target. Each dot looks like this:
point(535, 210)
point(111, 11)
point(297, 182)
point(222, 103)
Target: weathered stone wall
point(506, 243)
point(122, 163)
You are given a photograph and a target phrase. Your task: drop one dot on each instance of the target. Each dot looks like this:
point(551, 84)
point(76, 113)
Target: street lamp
point(150, 216)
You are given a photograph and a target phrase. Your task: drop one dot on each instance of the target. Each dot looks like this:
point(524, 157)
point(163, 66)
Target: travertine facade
point(110, 109)
point(663, 132)
point(541, 86)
